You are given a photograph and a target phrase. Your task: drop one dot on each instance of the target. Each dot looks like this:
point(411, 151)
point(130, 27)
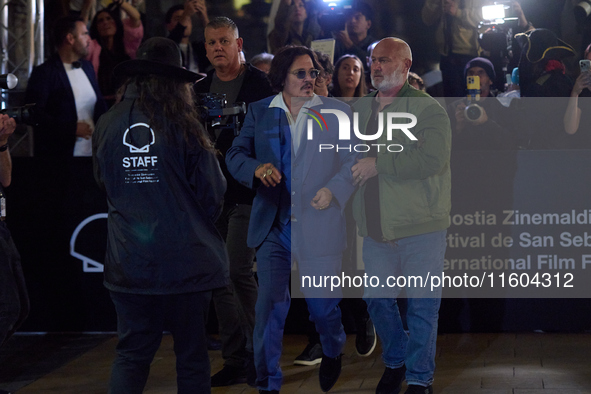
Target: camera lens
point(473, 112)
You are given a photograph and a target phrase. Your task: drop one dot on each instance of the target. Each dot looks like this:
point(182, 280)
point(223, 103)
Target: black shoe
point(366, 340)
point(391, 381)
point(228, 376)
point(330, 370)
point(416, 389)
point(268, 392)
point(213, 343)
point(311, 355)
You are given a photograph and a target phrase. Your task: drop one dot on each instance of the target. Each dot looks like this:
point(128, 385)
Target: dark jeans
point(141, 319)
point(14, 300)
point(235, 303)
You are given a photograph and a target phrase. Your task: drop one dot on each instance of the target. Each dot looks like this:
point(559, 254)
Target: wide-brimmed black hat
point(540, 44)
point(157, 56)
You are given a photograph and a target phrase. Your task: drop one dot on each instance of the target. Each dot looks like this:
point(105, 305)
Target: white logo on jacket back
point(140, 168)
point(128, 140)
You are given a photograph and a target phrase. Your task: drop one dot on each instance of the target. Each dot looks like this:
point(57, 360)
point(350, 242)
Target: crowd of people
point(193, 202)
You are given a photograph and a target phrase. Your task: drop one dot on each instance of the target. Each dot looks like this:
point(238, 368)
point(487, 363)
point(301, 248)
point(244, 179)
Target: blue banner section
point(521, 225)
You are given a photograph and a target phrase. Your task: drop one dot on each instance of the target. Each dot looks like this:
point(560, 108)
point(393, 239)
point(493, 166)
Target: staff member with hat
point(164, 190)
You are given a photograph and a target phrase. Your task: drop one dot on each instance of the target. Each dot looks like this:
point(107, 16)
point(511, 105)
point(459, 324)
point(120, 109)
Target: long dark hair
point(118, 47)
point(171, 99)
point(360, 90)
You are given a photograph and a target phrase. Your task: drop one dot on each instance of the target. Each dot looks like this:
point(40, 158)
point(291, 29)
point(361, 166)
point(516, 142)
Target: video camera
point(216, 114)
point(496, 38)
point(21, 115)
point(498, 20)
point(333, 14)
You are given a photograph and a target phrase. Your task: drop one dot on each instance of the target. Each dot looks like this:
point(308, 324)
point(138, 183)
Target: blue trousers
point(274, 262)
point(412, 256)
point(141, 319)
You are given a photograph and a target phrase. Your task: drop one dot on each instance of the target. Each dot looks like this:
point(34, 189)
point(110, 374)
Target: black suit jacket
point(49, 88)
point(255, 87)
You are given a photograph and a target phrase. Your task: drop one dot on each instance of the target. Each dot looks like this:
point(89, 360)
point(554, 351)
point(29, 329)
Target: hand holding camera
point(115, 4)
point(190, 8)
point(7, 127)
point(584, 79)
point(472, 112)
point(475, 114)
point(343, 36)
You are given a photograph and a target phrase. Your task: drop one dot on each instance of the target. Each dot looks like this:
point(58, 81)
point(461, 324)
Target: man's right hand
point(343, 36)
point(83, 130)
point(190, 8)
point(202, 12)
point(268, 174)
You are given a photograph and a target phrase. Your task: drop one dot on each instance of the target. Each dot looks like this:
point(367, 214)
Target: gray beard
point(389, 81)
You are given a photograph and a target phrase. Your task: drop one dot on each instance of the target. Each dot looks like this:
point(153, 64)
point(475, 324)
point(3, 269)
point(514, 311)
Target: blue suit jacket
point(323, 232)
point(49, 88)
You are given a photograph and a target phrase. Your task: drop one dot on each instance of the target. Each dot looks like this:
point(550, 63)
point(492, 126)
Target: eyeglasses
point(301, 74)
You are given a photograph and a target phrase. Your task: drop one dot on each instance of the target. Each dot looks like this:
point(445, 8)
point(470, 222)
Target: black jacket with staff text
point(164, 195)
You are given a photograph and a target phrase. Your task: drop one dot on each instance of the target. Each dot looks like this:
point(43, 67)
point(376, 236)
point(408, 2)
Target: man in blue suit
point(66, 93)
point(297, 214)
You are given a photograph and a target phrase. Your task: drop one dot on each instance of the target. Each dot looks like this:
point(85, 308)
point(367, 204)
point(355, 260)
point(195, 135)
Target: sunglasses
point(301, 74)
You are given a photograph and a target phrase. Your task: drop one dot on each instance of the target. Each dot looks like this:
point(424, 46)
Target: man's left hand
point(363, 170)
point(322, 199)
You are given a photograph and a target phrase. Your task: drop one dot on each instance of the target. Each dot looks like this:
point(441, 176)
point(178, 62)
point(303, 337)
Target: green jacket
point(415, 184)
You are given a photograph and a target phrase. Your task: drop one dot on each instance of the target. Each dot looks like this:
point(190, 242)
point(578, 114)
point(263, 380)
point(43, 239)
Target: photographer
point(485, 124)
point(354, 39)
point(456, 37)
point(234, 304)
point(14, 300)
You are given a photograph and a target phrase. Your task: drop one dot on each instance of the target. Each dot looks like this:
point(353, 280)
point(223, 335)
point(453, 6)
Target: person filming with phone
point(578, 110)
